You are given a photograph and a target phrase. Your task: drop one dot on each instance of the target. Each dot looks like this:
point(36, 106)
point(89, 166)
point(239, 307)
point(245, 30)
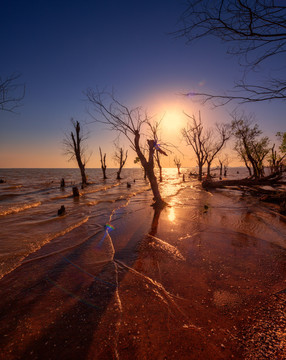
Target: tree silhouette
point(196, 138)
point(252, 149)
point(215, 143)
point(75, 147)
point(256, 32)
point(103, 164)
point(106, 109)
point(178, 164)
point(120, 158)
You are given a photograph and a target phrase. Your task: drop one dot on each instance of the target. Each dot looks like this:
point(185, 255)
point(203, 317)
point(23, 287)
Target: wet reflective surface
point(190, 281)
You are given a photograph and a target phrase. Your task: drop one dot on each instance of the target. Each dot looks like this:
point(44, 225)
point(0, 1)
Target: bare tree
point(120, 158)
point(249, 144)
point(136, 161)
point(214, 144)
point(223, 163)
point(282, 138)
point(194, 136)
point(11, 92)
point(103, 164)
point(240, 149)
point(106, 109)
point(178, 163)
point(276, 157)
point(255, 30)
point(160, 147)
point(75, 147)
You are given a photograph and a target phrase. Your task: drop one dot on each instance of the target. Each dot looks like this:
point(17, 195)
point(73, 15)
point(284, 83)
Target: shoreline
point(193, 289)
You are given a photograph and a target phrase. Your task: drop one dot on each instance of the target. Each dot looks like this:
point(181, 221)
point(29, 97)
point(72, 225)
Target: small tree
point(282, 138)
point(239, 148)
point(223, 163)
point(248, 144)
point(214, 145)
point(120, 158)
point(178, 164)
point(103, 164)
point(194, 136)
point(276, 158)
point(75, 148)
point(129, 122)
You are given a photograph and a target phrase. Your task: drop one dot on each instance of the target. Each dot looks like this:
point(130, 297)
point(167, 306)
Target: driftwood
point(267, 180)
point(252, 186)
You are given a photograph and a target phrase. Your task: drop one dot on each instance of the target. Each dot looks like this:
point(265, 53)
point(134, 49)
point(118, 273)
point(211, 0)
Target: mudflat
point(204, 278)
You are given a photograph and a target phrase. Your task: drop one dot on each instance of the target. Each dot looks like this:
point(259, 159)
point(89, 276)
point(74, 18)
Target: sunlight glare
point(173, 121)
point(171, 215)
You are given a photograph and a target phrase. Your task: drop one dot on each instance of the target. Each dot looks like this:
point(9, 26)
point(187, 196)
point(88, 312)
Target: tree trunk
point(81, 167)
point(220, 168)
point(104, 173)
point(154, 185)
point(103, 164)
point(268, 180)
point(77, 151)
point(118, 173)
point(83, 176)
point(200, 171)
point(149, 169)
point(209, 170)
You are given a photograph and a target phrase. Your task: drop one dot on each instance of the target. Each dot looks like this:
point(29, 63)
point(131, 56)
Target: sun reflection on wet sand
point(171, 214)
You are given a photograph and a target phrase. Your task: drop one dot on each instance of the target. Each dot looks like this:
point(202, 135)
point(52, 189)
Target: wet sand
point(179, 284)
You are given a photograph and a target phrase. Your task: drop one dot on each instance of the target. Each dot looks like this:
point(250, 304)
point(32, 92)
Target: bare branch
point(255, 30)
point(11, 92)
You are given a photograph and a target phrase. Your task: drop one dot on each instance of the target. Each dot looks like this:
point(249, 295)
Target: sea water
point(30, 200)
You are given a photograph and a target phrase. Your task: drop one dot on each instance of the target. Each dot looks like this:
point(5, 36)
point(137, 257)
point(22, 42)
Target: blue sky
point(63, 47)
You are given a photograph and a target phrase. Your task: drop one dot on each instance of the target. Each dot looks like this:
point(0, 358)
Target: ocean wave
point(18, 208)
point(60, 197)
point(104, 188)
point(12, 187)
point(10, 262)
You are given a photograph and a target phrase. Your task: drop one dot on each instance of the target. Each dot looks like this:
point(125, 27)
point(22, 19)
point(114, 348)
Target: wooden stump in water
point(75, 191)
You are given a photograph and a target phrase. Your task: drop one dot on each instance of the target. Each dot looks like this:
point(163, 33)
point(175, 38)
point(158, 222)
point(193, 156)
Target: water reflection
point(171, 214)
point(155, 221)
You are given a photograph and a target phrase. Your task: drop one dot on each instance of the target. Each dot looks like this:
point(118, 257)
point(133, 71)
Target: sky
point(62, 48)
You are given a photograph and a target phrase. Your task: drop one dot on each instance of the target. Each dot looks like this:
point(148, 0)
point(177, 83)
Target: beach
point(203, 278)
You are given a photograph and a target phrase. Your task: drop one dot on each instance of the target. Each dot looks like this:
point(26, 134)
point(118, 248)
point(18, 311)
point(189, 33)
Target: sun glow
point(173, 120)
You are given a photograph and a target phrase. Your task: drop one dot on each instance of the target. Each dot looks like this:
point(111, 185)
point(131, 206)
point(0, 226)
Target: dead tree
point(11, 92)
point(178, 164)
point(223, 164)
point(106, 109)
point(75, 147)
point(103, 164)
point(276, 158)
point(213, 146)
point(120, 158)
point(255, 32)
point(155, 127)
point(194, 136)
point(268, 180)
point(239, 148)
point(248, 142)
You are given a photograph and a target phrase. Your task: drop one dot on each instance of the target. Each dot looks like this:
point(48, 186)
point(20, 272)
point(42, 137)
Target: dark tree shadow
point(82, 299)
